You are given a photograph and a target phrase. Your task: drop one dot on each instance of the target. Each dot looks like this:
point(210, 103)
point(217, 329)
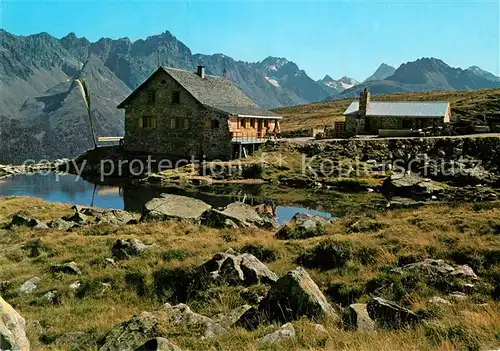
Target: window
point(147, 122)
point(215, 124)
point(178, 123)
point(406, 124)
point(252, 122)
point(176, 97)
point(151, 96)
point(243, 123)
point(266, 123)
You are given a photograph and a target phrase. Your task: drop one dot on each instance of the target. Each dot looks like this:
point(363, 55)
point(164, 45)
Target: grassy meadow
point(465, 104)
point(374, 242)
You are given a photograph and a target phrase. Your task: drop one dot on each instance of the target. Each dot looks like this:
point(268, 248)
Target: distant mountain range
point(425, 74)
point(42, 115)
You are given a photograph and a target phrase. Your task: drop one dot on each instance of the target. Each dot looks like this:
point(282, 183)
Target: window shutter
point(154, 122)
point(172, 123)
point(186, 125)
point(208, 123)
point(140, 122)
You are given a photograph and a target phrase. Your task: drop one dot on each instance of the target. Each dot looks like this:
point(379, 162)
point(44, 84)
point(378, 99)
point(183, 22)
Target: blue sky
point(336, 37)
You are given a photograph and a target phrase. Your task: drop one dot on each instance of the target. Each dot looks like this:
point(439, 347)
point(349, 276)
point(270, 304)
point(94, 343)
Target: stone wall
point(181, 130)
point(375, 123)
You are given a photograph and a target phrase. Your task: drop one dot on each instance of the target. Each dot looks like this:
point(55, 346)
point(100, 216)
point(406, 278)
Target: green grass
point(144, 283)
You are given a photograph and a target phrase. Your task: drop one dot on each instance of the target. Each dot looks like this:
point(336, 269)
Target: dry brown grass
point(432, 231)
point(467, 103)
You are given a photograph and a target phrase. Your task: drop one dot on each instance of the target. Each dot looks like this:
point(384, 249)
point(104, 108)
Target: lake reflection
point(70, 189)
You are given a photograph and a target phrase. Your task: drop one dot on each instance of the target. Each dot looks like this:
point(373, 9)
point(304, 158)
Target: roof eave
point(256, 116)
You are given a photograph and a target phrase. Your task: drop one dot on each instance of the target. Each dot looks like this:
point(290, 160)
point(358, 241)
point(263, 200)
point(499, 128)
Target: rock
point(76, 341)
point(128, 248)
point(458, 296)
point(320, 329)
point(61, 224)
point(251, 319)
point(436, 300)
point(228, 319)
point(174, 207)
point(295, 295)
point(388, 314)
point(19, 220)
point(132, 334)
point(238, 215)
point(182, 315)
point(357, 317)
point(49, 298)
point(30, 285)
point(110, 261)
point(303, 226)
point(116, 217)
point(438, 273)
point(404, 184)
point(244, 269)
point(158, 344)
point(78, 218)
point(12, 329)
point(75, 286)
point(287, 331)
point(66, 268)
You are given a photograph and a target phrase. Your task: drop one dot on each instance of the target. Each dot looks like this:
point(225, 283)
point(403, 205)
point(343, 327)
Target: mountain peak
point(327, 79)
point(383, 71)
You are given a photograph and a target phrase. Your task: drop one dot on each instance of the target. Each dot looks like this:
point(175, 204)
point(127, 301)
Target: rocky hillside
point(337, 86)
point(426, 74)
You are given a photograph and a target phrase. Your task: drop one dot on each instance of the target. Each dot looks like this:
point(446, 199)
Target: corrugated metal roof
point(400, 109)
point(213, 91)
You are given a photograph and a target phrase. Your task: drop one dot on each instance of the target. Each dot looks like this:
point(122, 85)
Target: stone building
point(180, 114)
point(370, 117)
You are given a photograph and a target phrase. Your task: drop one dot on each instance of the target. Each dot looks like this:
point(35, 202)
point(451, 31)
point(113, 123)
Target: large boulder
point(228, 319)
point(175, 207)
point(404, 184)
point(182, 316)
point(116, 217)
point(295, 295)
point(12, 329)
point(233, 269)
point(439, 274)
point(128, 248)
point(131, 334)
point(388, 314)
point(237, 214)
point(303, 226)
point(356, 317)
point(158, 344)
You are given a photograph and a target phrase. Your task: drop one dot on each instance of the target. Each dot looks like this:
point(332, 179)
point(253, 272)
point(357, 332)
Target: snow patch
point(273, 82)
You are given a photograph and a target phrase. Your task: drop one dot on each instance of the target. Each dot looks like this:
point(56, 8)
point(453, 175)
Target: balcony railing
point(251, 136)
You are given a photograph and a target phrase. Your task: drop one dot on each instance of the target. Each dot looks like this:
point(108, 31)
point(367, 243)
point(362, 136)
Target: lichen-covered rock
point(439, 274)
point(66, 268)
point(128, 248)
point(234, 269)
point(295, 295)
point(303, 226)
point(61, 224)
point(239, 215)
point(19, 220)
point(12, 329)
point(158, 344)
point(30, 285)
point(286, 332)
point(228, 319)
point(130, 335)
point(356, 317)
point(388, 314)
point(174, 207)
point(181, 315)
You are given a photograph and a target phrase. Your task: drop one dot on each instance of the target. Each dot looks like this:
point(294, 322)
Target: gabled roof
point(212, 91)
point(401, 109)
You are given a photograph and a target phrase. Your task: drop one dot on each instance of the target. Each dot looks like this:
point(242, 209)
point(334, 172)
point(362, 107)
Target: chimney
point(201, 72)
point(364, 102)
